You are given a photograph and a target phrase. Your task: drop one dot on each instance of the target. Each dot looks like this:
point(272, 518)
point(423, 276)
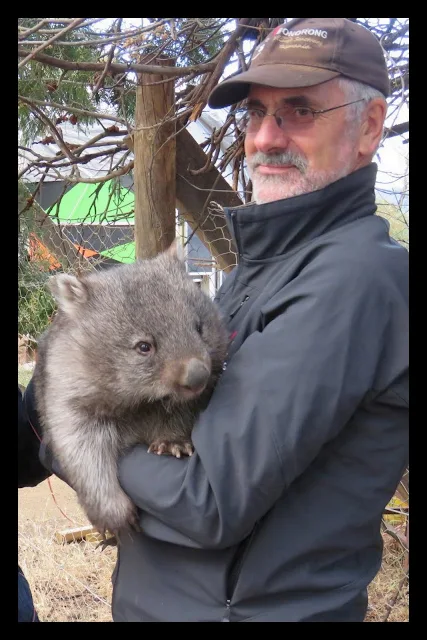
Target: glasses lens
point(241, 119)
point(251, 119)
point(294, 116)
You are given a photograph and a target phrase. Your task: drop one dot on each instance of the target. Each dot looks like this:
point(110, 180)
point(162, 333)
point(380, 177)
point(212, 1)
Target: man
point(276, 517)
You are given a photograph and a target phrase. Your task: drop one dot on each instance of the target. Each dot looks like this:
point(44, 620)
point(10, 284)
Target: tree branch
point(397, 130)
point(221, 61)
point(117, 67)
point(130, 33)
point(48, 163)
point(49, 32)
point(107, 64)
point(36, 27)
point(58, 138)
point(114, 174)
point(70, 27)
point(82, 112)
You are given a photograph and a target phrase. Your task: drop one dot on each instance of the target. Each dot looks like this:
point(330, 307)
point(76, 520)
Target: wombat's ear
point(176, 250)
point(68, 291)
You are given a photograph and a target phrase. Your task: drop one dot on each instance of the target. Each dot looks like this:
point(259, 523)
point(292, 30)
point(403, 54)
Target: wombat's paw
point(176, 449)
point(115, 515)
point(107, 542)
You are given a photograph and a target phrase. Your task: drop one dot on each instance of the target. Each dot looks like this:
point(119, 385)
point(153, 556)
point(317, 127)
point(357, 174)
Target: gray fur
point(97, 395)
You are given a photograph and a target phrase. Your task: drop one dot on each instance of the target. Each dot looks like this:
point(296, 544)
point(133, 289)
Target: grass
point(70, 583)
point(386, 585)
point(24, 376)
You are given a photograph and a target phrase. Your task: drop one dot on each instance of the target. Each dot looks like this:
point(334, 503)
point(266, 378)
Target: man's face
point(292, 160)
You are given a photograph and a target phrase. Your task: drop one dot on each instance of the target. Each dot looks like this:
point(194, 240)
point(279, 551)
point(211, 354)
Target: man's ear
point(372, 127)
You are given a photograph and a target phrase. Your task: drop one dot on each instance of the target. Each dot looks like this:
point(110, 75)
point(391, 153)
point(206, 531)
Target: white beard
point(295, 181)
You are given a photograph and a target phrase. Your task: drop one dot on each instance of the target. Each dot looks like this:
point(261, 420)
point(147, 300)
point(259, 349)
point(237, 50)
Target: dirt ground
point(37, 503)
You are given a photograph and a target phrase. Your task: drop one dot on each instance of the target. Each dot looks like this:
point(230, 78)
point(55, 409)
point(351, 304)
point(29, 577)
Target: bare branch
point(78, 160)
point(92, 142)
point(118, 67)
point(28, 32)
point(390, 38)
point(56, 134)
point(31, 55)
point(222, 60)
point(397, 129)
point(107, 64)
point(109, 176)
point(71, 109)
point(130, 33)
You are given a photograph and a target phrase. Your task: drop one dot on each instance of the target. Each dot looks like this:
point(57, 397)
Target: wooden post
point(155, 165)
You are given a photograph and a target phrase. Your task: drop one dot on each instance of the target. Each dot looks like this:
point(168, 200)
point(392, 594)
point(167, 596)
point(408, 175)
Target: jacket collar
point(267, 230)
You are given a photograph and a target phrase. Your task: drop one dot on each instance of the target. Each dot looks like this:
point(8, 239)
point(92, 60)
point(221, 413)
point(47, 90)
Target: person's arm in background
point(35, 461)
point(31, 471)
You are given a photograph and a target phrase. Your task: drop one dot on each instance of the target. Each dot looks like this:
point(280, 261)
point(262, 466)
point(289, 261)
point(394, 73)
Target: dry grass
point(385, 587)
point(72, 583)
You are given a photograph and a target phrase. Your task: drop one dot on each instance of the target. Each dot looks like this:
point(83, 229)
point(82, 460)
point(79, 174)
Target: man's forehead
point(300, 95)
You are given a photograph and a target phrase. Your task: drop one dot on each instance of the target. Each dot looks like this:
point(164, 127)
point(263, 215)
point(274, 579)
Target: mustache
point(282, 158)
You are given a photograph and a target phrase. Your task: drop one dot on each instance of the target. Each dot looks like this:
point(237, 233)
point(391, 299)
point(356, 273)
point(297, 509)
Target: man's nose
point(270, 137)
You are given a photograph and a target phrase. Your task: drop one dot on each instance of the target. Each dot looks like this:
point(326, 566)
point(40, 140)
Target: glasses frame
point(314, 112)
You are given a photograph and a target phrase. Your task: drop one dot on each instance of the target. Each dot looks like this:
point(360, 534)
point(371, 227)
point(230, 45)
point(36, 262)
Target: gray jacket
point(276, 517)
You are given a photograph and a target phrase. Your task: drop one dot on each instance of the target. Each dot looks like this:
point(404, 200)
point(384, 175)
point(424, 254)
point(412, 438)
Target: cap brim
point(282, 76)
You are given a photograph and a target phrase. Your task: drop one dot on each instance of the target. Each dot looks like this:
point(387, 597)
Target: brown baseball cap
point(308, 51)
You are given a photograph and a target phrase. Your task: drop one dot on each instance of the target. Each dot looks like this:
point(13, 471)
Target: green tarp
point(80, 205)
point(122, 253)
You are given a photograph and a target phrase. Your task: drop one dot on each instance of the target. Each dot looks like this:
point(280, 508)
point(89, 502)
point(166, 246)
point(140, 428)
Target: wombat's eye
point(143, 348)
point(199, 327)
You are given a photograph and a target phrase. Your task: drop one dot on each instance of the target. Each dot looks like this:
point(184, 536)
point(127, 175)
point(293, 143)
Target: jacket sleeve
point(30, 469)
point(290, 388)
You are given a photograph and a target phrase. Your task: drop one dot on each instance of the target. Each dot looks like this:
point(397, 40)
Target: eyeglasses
point(249, 119)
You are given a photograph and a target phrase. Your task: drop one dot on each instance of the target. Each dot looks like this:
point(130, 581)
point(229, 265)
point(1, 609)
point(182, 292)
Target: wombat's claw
point(107, 542)
point(186, 448)
point(135, 526)
point(174, 448)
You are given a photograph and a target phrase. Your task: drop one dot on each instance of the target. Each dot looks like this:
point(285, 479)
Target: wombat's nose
point(195, 375)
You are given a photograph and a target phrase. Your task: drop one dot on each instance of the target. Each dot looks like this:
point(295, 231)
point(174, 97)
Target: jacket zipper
point(226, 617)
point(233, 313)
point(236, 233)
point(237, 237)
point(239, 558)
point(242, 550)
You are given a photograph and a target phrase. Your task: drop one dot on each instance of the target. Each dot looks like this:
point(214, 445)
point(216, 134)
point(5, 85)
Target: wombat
point(131, 357)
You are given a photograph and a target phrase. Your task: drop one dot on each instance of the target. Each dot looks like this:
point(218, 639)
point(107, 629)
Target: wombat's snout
point(194, 376)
